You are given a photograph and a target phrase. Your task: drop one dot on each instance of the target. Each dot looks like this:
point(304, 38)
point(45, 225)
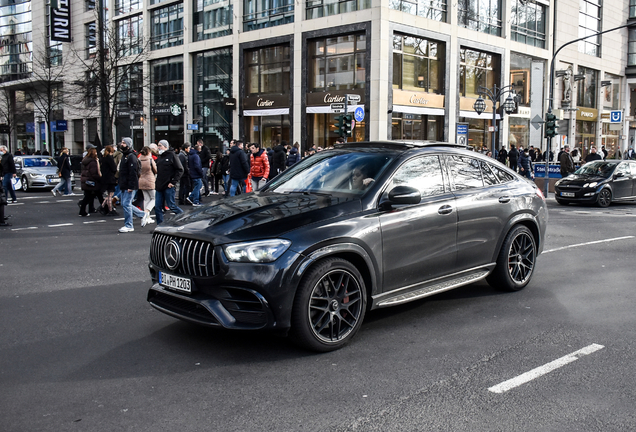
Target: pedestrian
point(239, 167)
point(3, 203)
point(91, 182)
point(630, 154)
point(294, 155)
point(206, 157)
point(8, 172)
point(196, 174)
point(278, 161)
point(503, 155)
point(533, 153)
point(525, 165)
point(513, 157)
point(225, 170)
point(184, 185)
point(217, 171)
point(169, 171)
point(109, 181)
point(129, 170)
point(147, 180)
point(605, 152)
point(593, 155)
point(566, 161)
point(259, 166)
point(64, 173)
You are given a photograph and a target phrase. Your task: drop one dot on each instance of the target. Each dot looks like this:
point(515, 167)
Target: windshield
point(342, 172)
point(598, 168)
point(37, 162)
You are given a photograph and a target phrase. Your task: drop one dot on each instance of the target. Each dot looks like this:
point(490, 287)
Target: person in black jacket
point(206, 157)
point(184, 185)
point(8, 173)
point(129, 184)
point(91, 177)
point(239, 167)
point(196, 175)
point(278, 161)
point(64, 170)
point(169, 171)
point(513, 157)
point(225, 172)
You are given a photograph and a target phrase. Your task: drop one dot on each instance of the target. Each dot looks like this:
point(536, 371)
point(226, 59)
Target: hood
point(193, 151)
point(254, 216)
point(293, 150)
point(259, 153)
point(235, 149)
point(279, 148)
point(580, 179)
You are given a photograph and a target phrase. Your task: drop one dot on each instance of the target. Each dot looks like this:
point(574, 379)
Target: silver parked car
point(38, 172)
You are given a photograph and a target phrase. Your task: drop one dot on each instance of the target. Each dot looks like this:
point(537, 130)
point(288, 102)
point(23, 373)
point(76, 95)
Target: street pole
point(494, 95)
point(551, 98)
point(103, 85)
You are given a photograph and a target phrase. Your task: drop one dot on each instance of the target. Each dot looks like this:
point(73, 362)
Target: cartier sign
point(273, 101)
point(264, 103)
point(431, 100)
point(329, 98)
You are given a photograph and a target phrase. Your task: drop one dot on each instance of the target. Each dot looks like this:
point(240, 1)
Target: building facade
point(269, 71)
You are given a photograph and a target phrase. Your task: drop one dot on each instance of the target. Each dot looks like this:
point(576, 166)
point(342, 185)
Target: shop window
point(418, 64)
point(477, 68)
point(337, 63)
point(268, 70)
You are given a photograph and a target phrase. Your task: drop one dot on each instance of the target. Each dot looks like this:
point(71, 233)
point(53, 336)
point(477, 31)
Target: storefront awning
point(266, 112)
point(473, 114)
point(327, 110)
point(418, 110)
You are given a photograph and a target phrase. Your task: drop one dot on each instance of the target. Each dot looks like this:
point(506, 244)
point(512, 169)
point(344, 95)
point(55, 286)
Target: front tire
point(516, 261)
point(604, 198)
point(329, 306)
point(25, 184)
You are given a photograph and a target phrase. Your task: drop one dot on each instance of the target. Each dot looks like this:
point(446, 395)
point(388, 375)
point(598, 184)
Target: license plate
point(567, 194)
point(54, 180)
point(175, 282)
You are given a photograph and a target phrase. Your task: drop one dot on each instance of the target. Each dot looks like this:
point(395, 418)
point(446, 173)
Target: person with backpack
point(129, 172)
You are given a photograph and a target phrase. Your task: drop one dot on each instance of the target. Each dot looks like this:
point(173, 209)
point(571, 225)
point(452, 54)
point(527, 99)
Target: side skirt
point(415, 292)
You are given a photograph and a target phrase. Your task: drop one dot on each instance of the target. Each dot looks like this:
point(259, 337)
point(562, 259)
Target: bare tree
point(124, 51)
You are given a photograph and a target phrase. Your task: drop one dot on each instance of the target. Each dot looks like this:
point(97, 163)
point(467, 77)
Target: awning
point(327, 110)
point(418, 110)
point(266, 112)
point(473, 114)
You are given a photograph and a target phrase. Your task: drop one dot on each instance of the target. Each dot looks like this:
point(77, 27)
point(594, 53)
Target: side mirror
point(402, 195)
point(617, 175)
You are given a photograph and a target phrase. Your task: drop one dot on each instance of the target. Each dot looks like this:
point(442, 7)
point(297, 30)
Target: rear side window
point(422, 173)
point(465, 172)
point(503, 176)
point(489, 178)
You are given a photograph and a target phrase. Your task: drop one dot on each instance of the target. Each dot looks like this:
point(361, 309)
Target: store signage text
point(333, 99)
point(418, 100)
point(587, 114)
point(264, 103)
point(61, 22)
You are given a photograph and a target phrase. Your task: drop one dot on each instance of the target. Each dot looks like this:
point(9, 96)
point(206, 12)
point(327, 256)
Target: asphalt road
point(81, 350)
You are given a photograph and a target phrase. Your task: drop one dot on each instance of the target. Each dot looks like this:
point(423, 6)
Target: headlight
point(593, 184)
point(33, 175)
point(262, 251)
point(586, 185)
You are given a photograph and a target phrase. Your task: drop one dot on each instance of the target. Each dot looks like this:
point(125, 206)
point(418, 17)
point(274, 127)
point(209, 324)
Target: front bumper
point(582, 196)
point(240, 296)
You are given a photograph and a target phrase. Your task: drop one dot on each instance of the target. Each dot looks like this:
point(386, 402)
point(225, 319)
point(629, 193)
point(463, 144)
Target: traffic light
point(550, 125)
point(340, 125)
point(348, 119)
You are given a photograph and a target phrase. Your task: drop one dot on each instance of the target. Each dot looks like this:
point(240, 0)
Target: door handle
point(504, 199)
point(444, 210)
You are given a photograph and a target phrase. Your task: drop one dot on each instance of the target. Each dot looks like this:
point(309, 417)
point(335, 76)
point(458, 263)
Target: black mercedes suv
point(360, 227)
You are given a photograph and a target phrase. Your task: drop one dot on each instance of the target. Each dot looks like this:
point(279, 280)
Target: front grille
point(197, 257)
point(181, 306)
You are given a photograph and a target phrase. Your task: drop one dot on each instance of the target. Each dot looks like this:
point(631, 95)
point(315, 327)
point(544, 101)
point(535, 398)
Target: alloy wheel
point(335, 306)
point(604, 198)
point(521, 258)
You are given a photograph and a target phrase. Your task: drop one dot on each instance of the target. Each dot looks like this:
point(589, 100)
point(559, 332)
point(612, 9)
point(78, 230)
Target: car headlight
point(586, 185)
point(262, 251)
point(34, 175)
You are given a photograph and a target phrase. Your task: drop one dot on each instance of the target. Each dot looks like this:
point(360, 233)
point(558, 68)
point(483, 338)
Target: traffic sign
point(359, 114)
point(337, 107)
point(537, 121)
point(616, 116)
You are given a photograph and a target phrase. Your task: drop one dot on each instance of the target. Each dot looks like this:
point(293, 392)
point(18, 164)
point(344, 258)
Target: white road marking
point(64, 200)
point(546, 368)
point(14, 204)
point(589, 243)
point(118, 219)
point(94, 221)
point(60, 225)
point(22, 229)
point(43, 202)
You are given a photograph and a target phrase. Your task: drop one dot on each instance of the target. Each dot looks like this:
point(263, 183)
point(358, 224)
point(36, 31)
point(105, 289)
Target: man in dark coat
point(279, 160)
point(169, 171)
point(206, 157)
point(64, 167)
point(566, 161)
point(8, 173)
point(129, 184)
point(184, 185)
point(239, 167)
point(513, 157)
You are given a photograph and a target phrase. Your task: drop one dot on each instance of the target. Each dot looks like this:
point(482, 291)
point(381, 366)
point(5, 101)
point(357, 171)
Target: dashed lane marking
point(60, 225)
point(95, 221)
point(589, 243)
point(545, 369)
point(22, 229)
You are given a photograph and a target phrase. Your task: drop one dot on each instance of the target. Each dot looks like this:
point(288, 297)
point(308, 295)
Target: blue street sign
point(359, 114)
point(193, 126)
point(616, 116)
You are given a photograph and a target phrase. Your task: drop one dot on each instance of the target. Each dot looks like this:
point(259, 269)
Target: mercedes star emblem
point(172, 254)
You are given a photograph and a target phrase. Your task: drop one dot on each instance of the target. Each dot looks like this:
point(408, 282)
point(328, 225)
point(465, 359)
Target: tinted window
point(623, 168)
point(502, 175)
point(465, 172)
point(489, 178)
point(38, 162)
point(423, 173)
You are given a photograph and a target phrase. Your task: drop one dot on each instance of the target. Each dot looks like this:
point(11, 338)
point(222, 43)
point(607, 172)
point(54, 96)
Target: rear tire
point(329, 306)
point(516, 261)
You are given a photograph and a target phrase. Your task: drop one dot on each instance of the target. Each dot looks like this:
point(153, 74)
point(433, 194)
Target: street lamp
point(494, 95)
